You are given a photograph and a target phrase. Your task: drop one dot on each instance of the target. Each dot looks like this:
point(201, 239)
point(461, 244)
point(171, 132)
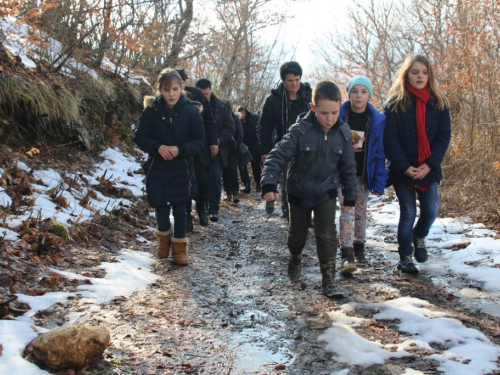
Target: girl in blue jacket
point(417, 135)
point(367, 127)
point(171, 131)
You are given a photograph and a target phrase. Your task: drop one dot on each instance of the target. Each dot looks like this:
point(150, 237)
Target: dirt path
point(234, 311)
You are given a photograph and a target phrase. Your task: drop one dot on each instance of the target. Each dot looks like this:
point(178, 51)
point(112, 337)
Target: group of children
point(335, 150)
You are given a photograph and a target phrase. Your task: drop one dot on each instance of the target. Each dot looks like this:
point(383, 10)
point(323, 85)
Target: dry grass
point(471, 171)
point(41, 100)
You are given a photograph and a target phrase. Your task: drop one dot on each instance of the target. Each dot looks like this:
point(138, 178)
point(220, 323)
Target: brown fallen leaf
point(1, 349)
point(281, 366)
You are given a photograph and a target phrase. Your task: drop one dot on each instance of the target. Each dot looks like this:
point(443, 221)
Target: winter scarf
point(285, 108)
point(424, 149)
point(422, 96)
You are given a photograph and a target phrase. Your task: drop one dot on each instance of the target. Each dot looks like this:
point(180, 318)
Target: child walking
point(171, 131)
point(417, 135)
point(319, 149)
point(367, 127)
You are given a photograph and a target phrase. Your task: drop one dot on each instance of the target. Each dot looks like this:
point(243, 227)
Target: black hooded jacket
point(276, 114)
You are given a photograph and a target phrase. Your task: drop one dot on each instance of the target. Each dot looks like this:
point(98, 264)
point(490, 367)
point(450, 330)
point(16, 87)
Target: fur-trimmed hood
point(149, 101)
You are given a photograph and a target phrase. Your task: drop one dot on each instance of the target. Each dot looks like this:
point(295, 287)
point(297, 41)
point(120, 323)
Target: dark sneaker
point(214, 217)
point(258, 188)
point(295, 268)
point(270, 207)
point(236, 198)
point(420, 253)
point(359, 255)
point(406, 265)
point(348, 265)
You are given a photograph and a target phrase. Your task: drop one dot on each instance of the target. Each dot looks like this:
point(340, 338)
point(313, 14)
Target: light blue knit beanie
point(359, 80)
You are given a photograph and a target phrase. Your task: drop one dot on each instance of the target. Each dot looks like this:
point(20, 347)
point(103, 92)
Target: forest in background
point(221, 40)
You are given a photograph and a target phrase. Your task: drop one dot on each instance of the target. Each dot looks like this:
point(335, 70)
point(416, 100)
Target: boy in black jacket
point(319, 149)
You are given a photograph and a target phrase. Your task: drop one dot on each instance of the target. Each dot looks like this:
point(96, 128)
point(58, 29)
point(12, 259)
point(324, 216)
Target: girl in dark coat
point(416, 137)
point(171, 131)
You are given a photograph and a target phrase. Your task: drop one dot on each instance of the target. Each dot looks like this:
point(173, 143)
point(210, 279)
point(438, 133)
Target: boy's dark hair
point(240, 108)
point(183, 74)
point(167, 76)
point(204, 83)
point(326, 90)
point(290, 67)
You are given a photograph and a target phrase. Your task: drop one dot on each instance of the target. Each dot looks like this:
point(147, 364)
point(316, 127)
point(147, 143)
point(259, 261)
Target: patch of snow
point(131, 272)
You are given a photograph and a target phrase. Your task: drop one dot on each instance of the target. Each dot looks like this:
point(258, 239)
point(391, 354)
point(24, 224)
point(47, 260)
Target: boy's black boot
point(328, 279)
point(406, 264)
point(236, 198)
point(246, 189)
point(202, 213)
point(348, 265)
point(189, 220)
point(295, 268)
point(258, 188)
point(270, 207)
point(420, 250)
point(359, 254)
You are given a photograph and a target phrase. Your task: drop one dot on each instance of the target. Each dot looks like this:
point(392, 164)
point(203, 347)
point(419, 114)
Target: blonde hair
point(168, 76)
point(399, 98)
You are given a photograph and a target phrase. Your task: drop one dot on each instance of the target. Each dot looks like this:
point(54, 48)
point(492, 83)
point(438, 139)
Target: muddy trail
point(233, 310)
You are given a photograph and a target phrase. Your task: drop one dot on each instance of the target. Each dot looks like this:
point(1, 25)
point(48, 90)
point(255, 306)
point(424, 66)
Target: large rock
point(70, 346)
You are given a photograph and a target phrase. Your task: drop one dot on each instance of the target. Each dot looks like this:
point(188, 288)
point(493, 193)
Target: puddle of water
point(258, 351)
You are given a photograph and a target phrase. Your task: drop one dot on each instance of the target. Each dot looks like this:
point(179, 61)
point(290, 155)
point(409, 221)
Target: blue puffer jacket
point(319, 162)
point(168, 182)
point(376, 173)
point(400, 141)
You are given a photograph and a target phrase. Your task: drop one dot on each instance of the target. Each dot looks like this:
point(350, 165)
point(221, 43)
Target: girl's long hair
point(399, 97)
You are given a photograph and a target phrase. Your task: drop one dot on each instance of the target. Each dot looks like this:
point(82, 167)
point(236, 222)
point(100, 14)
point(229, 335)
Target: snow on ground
point(456, 248)
point(117, 167)
point(132, 272)
point(17, 37)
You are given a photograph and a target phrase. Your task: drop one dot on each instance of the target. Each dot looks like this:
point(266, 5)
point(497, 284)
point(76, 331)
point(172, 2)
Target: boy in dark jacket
point(225, 131)
point(202, 159)
point(319, 149)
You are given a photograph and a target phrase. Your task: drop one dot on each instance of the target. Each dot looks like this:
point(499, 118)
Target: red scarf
point(422, 96)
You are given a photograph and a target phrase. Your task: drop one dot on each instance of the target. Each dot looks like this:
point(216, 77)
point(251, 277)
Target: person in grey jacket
point(319, 150)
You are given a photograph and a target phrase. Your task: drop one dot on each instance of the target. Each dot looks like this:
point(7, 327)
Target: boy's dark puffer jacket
point(400, 142)
point(168, 182)
point(319, 162)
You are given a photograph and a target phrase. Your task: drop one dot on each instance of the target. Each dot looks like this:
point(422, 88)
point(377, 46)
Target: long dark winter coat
point(272, 118)
point(319, 163)
point(168, 182)
point(225, 125)
point(400, 142)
